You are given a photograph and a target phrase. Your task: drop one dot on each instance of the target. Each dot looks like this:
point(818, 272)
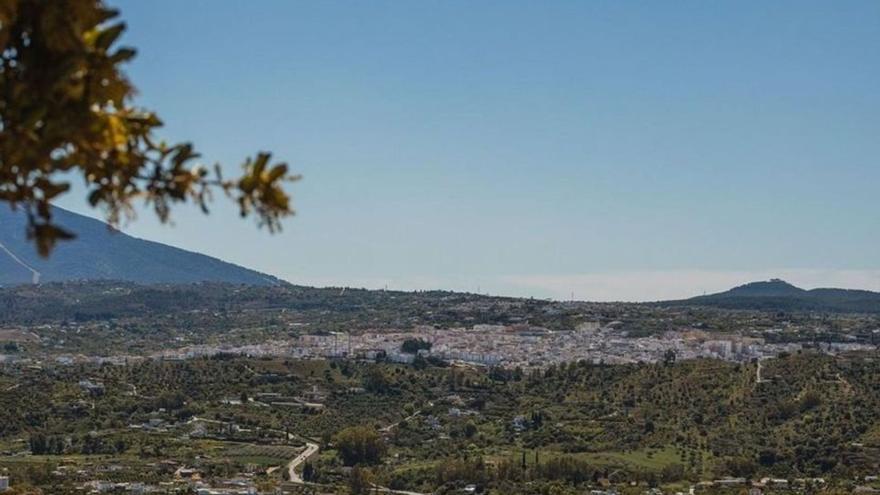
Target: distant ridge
point(773, 288)
point(780, 295)
point(101, 253)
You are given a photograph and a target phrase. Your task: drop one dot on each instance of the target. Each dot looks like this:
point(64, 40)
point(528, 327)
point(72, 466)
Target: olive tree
point(66, 112)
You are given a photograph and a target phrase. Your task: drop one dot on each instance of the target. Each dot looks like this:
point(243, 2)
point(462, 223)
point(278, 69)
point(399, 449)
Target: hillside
point(101, 253)
point(778, 295)
point(812, 416)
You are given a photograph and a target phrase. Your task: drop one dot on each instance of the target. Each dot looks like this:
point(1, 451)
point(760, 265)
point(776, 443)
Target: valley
point(229, 389)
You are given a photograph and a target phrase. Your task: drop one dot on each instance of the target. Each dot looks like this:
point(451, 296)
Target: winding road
point(311, 449)
point(294, 477)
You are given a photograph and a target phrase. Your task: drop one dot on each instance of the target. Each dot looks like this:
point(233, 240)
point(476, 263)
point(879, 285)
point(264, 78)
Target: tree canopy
point(66, 112)
point(359, 445)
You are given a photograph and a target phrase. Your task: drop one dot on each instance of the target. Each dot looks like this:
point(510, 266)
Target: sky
point(587, 149)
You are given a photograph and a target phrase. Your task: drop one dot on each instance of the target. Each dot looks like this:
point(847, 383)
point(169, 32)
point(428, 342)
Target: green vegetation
point(359, 445)
point(430, 426)
point(571, 427)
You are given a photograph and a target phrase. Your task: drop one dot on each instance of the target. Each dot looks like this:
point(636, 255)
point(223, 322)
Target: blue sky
point(617, 150)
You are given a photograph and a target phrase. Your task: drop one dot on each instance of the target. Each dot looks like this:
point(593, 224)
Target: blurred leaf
point(72, 116)
point(108, 36)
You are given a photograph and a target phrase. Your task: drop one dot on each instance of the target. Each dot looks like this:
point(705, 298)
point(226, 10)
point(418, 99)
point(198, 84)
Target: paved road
point(311, 448)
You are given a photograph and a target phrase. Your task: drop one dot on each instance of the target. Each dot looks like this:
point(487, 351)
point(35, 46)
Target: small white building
point(4, 483)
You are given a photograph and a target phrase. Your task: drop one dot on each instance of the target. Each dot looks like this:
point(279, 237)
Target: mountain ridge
point(777, 294)
point(102, 253)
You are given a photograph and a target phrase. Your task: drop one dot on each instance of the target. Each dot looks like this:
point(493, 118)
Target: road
point(35, 275)
point(759, 378)
point(395, 425)
point(311, 448)
point(382, 489)
point(205, 420)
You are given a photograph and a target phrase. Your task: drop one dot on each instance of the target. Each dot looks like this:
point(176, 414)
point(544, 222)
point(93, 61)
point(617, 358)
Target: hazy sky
point(619, 150)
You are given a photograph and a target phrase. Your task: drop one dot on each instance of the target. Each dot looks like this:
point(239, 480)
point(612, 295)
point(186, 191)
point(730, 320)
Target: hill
point(100, 252)
point(778, 295)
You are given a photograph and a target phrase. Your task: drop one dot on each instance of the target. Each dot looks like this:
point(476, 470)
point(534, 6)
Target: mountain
point(778, 295)
point(100, 252)
point(772, 288)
